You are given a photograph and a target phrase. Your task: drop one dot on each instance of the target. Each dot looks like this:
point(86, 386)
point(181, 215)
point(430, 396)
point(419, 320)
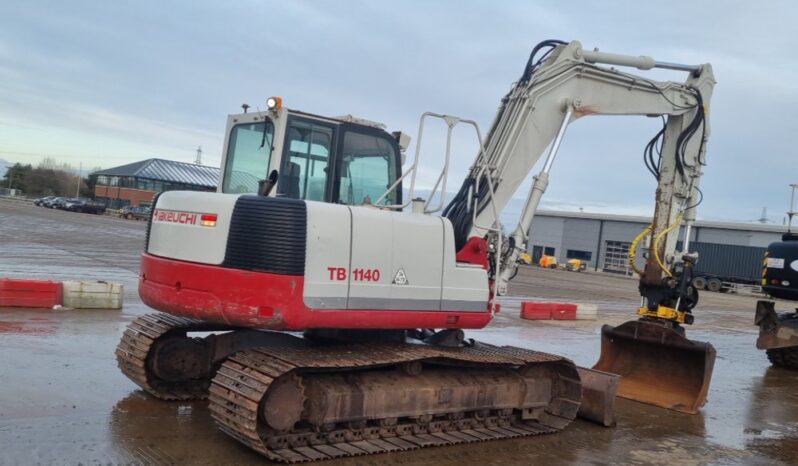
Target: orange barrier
point(17, 292)
point(548, 310)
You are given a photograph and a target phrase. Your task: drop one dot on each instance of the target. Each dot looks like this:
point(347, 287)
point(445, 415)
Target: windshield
point(248, 157)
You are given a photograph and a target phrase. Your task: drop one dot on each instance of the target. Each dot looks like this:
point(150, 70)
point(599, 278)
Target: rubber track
point(137, 340)
point(784, 357)
point(244, 378)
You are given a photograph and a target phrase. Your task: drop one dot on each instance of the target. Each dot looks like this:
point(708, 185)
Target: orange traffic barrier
point(16, 292)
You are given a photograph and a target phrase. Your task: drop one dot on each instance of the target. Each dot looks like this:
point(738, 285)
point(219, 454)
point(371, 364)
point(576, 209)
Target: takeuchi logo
point(175, 216)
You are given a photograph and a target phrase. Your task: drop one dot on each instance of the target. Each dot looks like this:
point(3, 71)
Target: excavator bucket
point(657, 365)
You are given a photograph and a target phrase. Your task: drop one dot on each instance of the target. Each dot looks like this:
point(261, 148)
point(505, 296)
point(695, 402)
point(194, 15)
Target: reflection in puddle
point(773, 410)
point(35, 326)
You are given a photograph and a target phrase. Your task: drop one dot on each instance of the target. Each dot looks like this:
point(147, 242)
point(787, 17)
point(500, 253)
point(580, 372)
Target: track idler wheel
point(658, 365)
point(180, 359)
point(284, 402)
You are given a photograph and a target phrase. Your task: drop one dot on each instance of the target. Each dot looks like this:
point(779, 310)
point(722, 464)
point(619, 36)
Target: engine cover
point(302, 257)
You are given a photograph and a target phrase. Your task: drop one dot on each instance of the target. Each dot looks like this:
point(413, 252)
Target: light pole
point(791, 212)
point(77, 190)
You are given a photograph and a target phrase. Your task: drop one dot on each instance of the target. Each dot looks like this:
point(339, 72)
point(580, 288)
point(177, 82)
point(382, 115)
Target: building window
point(548, 251)
point(575, 254)
point(102, 180)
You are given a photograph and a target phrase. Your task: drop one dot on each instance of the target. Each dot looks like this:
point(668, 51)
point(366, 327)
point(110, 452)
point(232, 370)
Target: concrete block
point(586, 312)
point(92, 295)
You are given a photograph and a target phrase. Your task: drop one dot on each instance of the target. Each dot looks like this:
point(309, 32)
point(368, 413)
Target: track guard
point(778, 334)
point(775, 330)
point(657, 364)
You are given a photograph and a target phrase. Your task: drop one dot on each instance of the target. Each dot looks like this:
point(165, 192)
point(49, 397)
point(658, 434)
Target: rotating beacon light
point(274, 103)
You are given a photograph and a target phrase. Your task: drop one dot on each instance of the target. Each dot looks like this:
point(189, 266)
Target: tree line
point(48, 178)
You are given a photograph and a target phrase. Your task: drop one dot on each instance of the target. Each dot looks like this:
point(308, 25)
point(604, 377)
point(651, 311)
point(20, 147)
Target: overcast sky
point(108, 83)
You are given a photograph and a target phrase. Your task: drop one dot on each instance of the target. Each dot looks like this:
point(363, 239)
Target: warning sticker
point(775, 263)
point(400, 278)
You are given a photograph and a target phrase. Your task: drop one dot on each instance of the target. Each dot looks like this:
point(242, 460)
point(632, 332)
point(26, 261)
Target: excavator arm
point(566, 84)
point(658, 364)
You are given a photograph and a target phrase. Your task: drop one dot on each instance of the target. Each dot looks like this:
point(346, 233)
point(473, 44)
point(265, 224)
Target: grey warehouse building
point(603, 240)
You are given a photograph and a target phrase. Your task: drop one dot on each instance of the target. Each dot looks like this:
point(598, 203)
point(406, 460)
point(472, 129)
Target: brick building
point(136, 183)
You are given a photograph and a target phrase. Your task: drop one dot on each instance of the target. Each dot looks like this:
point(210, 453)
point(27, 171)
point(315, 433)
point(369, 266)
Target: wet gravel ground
point(63, 401)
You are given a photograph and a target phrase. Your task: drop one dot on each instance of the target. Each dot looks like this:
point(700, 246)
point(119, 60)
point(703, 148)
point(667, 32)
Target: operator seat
point(288, 185)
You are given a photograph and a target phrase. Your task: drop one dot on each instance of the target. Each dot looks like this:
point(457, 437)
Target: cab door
point(368, 162)
point(307, 160)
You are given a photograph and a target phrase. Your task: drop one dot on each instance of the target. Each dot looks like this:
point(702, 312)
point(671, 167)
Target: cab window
point(248, 155)
point(306, 162)
point(368, 169)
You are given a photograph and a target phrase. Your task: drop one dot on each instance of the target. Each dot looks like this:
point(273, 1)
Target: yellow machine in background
point(549, 262)
point(575, 265)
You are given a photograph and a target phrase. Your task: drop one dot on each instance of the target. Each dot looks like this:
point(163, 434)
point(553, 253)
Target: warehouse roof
point(167, 170)
point(646, 220)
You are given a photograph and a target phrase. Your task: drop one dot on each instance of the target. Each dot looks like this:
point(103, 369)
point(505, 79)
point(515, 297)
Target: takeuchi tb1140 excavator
point(310, 232)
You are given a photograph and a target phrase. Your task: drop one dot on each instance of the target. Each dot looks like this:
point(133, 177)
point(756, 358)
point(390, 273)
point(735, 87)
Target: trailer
point(725, 267)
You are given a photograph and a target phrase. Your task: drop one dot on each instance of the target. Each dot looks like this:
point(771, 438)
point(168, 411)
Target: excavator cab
point(343, 160)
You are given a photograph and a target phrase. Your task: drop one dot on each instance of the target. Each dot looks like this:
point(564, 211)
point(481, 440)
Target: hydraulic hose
point(664, 232)
point(633, 248)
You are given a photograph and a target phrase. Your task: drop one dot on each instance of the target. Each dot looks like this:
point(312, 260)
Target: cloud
point(127, 81)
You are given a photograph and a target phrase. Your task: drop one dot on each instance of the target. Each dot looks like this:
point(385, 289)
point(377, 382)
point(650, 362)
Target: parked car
point(41, 202)
point(65, 202)
point(83, 205)
point(138, 213)
point(56, 203)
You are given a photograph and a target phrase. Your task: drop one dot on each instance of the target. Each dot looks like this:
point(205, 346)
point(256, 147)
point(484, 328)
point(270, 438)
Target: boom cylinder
point(641, 62)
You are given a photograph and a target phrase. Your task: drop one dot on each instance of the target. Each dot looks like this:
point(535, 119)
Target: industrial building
point(603, 240)
point(137, 183)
